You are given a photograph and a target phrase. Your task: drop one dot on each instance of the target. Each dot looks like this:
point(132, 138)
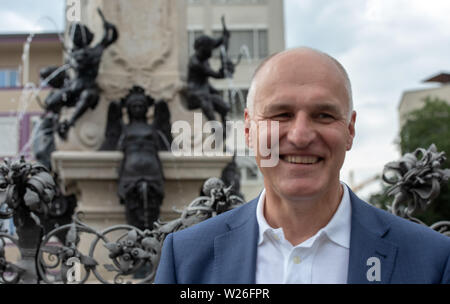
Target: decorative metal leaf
point(88, 261)
point(132, 235)
point(114, 248)
point(46, 178)
point(140, 253)
point(71, 236)
point(31, 199)
point(125, 266)
point(110, 267)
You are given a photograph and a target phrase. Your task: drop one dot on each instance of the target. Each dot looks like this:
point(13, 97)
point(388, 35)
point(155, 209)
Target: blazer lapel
point(235, 251)
point(372, 258)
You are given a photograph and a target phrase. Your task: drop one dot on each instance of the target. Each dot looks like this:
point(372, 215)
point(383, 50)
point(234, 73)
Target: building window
point(252, 43)
point(9, 78)
point(263, 44)
point(10, 139)
point(19, 133)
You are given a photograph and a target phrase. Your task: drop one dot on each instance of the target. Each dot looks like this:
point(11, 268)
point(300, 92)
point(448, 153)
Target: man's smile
point(301, 159)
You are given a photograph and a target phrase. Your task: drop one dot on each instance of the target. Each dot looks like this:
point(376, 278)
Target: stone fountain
point(151, 52)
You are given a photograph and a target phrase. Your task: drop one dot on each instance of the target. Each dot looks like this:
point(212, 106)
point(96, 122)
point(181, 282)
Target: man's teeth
point(302, 159)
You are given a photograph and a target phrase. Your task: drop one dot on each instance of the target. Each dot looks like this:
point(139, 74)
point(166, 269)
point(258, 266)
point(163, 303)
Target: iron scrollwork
point(28, 190)
point(416, 182)
point(128, 248)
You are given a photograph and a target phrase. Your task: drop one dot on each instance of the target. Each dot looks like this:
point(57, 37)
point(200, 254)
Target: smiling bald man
point(306, 226)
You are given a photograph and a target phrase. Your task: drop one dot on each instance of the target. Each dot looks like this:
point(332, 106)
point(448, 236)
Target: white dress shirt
point(321, 259)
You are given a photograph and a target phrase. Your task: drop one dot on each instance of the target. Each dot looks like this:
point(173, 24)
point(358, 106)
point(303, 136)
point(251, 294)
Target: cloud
point(11, 22)
point(26, 16)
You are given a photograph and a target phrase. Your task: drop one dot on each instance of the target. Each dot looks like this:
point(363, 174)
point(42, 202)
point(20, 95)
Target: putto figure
point(199, 92)
point(82, 91)
point(44, 140)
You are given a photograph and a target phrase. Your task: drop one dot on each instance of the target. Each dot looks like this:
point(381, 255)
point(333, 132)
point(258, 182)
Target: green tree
point(430, 124)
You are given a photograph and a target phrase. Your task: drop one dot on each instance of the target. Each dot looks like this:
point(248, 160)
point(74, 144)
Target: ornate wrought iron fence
point(129, 250)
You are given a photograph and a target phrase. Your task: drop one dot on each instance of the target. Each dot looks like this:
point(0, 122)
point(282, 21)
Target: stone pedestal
point(92, 176)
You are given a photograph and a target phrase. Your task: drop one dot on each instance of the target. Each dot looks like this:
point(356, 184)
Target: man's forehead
point(295, 69)
point(298, 63)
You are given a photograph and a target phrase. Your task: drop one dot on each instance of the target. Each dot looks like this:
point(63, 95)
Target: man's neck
point(302, 218)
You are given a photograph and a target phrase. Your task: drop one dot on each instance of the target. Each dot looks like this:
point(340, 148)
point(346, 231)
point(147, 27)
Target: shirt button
point(296, 260)
point(276, 237)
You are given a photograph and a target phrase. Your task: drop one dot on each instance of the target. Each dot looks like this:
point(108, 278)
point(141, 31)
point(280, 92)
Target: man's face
point(305, 93)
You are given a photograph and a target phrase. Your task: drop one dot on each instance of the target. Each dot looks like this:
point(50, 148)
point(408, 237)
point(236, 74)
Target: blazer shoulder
point(402, 230)
point(212, 227)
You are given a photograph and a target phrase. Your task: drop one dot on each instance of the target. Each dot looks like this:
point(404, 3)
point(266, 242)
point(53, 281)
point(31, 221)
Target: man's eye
point(325, 116)
point(281, 116)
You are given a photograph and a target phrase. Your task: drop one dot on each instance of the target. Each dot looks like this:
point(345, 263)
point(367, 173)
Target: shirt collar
point(337, 230)
point(339, 227)
point(262, 223)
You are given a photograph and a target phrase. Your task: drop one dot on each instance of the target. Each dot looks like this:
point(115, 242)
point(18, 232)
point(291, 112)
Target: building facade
point(21, 58)
point(414, 99)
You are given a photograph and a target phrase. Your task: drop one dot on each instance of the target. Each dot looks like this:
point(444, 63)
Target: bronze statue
point(62, 207)
point(141, 179)
point(43, 140)
point(82, 91)
point(199, 93)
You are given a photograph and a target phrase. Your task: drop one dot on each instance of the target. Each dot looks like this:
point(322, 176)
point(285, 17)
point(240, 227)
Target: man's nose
point(302, 132)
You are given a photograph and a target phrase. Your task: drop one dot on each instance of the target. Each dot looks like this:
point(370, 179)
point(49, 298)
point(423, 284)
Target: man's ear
point(351, 130)
point(247, 131)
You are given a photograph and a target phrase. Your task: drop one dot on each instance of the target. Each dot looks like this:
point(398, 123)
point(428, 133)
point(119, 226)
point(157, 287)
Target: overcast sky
point(386, 46)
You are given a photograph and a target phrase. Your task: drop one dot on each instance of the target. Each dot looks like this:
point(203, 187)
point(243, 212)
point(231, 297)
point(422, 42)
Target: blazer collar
point(235, 250)
point(367, 240)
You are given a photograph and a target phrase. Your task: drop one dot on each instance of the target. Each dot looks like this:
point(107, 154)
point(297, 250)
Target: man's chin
point(300, 191)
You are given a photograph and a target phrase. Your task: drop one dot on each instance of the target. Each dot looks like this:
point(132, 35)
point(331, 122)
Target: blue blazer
point(223, 249)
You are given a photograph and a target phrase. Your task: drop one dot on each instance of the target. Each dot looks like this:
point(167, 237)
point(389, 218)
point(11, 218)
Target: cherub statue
point(43, 140)
point(199, 93)
point(82, 91)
